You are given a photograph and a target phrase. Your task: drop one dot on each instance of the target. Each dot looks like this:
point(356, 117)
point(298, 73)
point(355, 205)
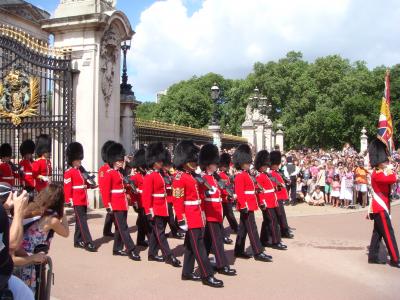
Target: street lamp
point(261, 102)
point(126, 88)
point(214, 126)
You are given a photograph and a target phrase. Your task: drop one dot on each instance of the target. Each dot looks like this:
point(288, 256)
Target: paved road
point(326, 260)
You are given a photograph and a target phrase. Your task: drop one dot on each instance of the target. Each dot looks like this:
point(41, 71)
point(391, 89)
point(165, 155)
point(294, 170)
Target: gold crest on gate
point(19, 96)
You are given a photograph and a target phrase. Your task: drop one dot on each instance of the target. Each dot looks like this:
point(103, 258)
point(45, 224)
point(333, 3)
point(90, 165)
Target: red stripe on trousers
point(198, 255)
point(121, 235)
point(388, 237)
point(79, 224)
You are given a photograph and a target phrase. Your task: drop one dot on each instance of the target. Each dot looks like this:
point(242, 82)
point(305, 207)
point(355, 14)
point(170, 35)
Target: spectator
point(317, 198)
point(335, 195)
point(299, 189)
point(361, 182)
point(346, 187)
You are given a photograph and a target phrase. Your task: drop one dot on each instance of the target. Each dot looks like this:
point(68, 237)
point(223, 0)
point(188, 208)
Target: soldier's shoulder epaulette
point(149, 172)
point(109, 170)
point(178, 175)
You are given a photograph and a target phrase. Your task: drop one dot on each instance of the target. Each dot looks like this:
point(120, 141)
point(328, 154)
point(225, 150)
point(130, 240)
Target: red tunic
point(41, 167)
point(27, 177)
point(281, 193)
point(211, 200)
point(224, 193)
point(137, 179)
point(114, 191)
point(245, 191)
point(7, 174)
point(75, 187)
point(380, 183)
point(267, 195)
point(187, 203)
point(102, 173)
point(154, 196)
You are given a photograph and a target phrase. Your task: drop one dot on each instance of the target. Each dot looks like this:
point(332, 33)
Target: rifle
point(279, 185)
point(166, 177)
point(223, 186)
point(201, 180)
point(258, 186)
point(16, 169)
point(129, 182)
point(91, 179)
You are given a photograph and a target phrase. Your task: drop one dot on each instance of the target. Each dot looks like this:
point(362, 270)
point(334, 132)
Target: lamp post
point(214, 126)
point(126, 88)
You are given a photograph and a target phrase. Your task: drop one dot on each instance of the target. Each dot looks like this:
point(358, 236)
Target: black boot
point(263, 257)
point(172, 260)
point(376, 261)
point(227, 240)
point(90, 247)
point(243, 255)
point(156, 258)
point(227, 271)
point(395, 264)
point(133, 255)
point(79, 245)
point(212, 281)
point(191, 276)
point(279, 246)
point(120, 253)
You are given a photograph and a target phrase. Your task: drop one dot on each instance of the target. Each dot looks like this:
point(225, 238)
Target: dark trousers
point(108, 221)
point(195, 250)
point(214, 239)
point(228, 213)
point(172, 222)
point(293, 186)
point(122, 236)
point(270, 231)
point(281, 214)
point(158, 239)
point(248, 226)
point(383, 229)
point(143, 227)
point(82, 233)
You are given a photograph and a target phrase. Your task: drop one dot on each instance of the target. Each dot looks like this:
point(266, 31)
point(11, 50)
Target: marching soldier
point(155, 205)
point(379, 211)
point(115, 199)
point(189, 213)
point(212, 203)
point(7, 174)
point(281, 193)
point(27, 149)
point(270, 232)
point(75, 193)
point(227, 200)
point(247, 204)
point(41, 167)
point(102, 172)
point(143, 226)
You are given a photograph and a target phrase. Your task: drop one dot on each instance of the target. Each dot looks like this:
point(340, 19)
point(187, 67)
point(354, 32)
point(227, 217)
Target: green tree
point(147, 111)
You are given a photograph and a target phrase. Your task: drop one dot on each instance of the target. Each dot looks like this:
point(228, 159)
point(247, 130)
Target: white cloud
point(228, 36)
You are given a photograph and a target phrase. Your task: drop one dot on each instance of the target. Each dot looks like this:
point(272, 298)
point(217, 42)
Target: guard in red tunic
point(143, 227)
point(41, 167)
point(75, 193)
point(379, 211)
point(227, 199)
point(7, 174)
point(212, 203)
point(270, 234)
point(115, 199)
point(189, 213)
point(154, 198)
point(27, 149)
point(281, 193)
point(247, 205)
point(102, 172)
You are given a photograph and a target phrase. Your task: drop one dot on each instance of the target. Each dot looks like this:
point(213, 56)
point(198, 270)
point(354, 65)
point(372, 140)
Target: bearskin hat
point(275, 157)
point(104, 150)
point(209, 154)
point(262, 159)
point(5, 150)
point(242, 156)
point(378, 152)
point(139, 159)
point(167, 158)
point(43, 144)
point(74, 152)
point(27, 147)
point(186, 151)
point(225, 160)
point(154, 152)
point(115, 152)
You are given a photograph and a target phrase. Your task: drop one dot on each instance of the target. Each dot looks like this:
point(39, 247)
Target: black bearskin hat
point(154, 152)
point(262, 159)
point(378, 152)
point(275, 157)
point(115, 152)
point(242, 156)
point(5, 150)
point(186, 151)
point(139, 160)
point(225, 160)
point(27, 147)
point(167, 158)
point(43, 144)
point(74, 152)
point(104, 150)
point(209, 154)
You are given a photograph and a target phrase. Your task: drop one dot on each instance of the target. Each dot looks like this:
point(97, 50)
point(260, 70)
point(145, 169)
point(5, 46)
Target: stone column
point(268, 137)
point(127, 123)
point(248, 132)
point(216, 133)
point(260, 137)
point(363, 140)
point(279, 137)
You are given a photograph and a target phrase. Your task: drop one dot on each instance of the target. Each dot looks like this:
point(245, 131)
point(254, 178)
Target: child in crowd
point(335, 195)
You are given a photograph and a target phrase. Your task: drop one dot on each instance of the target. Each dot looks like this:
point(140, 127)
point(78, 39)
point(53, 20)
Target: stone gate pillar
point(363, 140)
point(94, 30)
point(279, 137)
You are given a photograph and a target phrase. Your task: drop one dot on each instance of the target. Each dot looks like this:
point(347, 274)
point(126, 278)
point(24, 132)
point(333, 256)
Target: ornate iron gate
point(35, 94)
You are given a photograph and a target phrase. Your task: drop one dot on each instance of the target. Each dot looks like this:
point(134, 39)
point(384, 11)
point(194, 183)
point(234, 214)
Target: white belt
point(139, 191)
point(79, 187)
point(168, 188)
point(117, 191)
point(269, 191)
point(193, 202)
point(28, 173)
point(8, 177)
point(158, 195)
point(213, 199)
point(249, 192)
